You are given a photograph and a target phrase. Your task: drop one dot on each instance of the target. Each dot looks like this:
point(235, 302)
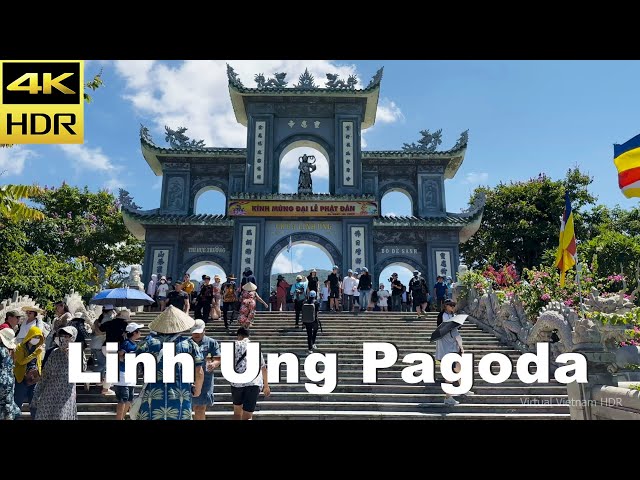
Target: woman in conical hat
point(248, 304)
point(170, 401)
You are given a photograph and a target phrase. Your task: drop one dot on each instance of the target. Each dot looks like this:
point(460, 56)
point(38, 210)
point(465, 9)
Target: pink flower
point(623, 344)
point(568, 302)
point(546, 297)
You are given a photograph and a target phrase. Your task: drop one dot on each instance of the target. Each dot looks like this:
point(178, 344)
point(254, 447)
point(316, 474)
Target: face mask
point(34, 341)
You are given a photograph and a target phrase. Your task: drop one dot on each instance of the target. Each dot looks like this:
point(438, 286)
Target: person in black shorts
point(334, 289)
point(418, 288)
point(245, 395)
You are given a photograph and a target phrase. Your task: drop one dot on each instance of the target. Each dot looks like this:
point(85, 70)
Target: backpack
point(229, 294)
point(300, 295)
point(418, 285)
point(308, 313)
point(440, 319)
point(374, 296)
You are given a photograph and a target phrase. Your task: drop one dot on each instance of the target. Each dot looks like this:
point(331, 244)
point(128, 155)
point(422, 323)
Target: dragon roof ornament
point(430, 142)
point(306, 81)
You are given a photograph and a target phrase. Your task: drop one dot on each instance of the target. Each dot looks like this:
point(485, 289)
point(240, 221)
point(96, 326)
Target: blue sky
point(524, 117)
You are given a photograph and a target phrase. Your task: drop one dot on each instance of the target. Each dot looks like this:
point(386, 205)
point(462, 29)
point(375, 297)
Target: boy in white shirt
point(324, 297)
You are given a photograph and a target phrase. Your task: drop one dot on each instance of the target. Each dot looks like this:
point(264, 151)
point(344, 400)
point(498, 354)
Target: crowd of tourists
point(355, 292)
point(34, 369)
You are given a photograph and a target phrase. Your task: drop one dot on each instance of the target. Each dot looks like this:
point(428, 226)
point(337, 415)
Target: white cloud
point(12, 160)
point(475, 178)
point(89, 158)
point(157, 185)
point(282, 264)
point(114, 184)
point(388, 112)
point(194, 94)
point(94, 161)
point(391, 214)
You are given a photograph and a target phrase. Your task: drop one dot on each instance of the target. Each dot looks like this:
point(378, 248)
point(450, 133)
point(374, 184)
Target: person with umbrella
point(448, 340)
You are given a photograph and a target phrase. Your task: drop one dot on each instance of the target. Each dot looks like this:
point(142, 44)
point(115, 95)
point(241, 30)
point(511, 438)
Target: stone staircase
point(389, 398)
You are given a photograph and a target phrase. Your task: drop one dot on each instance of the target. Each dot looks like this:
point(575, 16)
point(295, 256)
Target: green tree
point(11, 206)
point(614, 250)
point(43, 277)
point(82, 224)
point(521, 220)
point(602, 219)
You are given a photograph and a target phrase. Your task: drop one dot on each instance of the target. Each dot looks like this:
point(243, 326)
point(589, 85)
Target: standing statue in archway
point(306, 167)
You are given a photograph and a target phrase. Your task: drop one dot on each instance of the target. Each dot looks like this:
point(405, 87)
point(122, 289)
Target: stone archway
point(402, 187)
point(203, 260)
point(407, 262)
point(309, 141)
point(204, 184)
point(317, 240)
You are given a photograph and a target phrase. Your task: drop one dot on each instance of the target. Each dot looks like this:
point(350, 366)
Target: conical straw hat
point(172, 320)
point(249, 287)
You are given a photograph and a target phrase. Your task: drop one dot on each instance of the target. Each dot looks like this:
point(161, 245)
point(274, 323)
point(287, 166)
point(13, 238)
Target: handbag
point(32, 377)
point(137, 402)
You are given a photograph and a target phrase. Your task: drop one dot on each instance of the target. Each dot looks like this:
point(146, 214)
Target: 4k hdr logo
point(41, 101)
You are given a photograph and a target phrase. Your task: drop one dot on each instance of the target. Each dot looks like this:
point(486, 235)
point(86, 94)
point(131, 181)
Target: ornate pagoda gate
point(259, 222)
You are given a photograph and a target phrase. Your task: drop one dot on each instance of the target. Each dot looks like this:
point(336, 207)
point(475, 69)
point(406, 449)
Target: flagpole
point(290, 248)
point(578, 274)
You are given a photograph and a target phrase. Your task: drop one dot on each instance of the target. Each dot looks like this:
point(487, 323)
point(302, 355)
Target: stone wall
point(602, 397)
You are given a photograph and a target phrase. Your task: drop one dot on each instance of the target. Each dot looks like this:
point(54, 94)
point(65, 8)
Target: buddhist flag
point(627, 160)
point(290, 244)
point(566, 256)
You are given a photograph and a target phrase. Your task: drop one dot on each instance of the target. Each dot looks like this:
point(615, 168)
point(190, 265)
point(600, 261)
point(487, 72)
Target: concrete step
point(389, 398)
point(384, 386)
point(479, 397)
point(446, 414)
point(266, 404)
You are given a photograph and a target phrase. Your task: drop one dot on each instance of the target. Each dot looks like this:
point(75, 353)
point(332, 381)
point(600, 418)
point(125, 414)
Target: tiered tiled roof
point(136, 220)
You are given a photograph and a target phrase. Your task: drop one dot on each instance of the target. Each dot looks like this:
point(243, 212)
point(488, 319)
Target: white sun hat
point(7, 337)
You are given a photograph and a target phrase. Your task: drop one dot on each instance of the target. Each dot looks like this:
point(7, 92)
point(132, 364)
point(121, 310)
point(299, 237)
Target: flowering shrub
point(632, 337)
point(613, 283)
point(542, 285)
point(472, 279)
point(506, 277)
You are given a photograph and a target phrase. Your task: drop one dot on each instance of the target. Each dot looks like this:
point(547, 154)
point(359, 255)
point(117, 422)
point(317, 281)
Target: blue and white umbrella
point(122, 297)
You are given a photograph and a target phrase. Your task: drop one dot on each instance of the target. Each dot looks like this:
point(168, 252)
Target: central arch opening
point(405, 274)
point(205, 268)
point(290, 160)
point(300, 259)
